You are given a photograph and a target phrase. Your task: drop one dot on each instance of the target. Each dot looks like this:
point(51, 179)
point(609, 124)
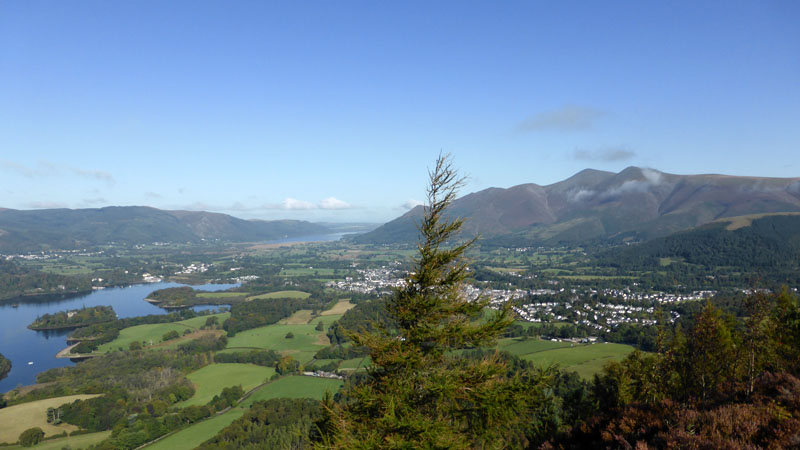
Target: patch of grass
point(341, 307)
point(154, 332)
point(586, 359)
point(16, 419)
point(302, 347)
point(354, 363)
point(295, 386)
point(210, 380)
point(280, 294)
point(302, 316)
point(193, 436)
point(522, 347)
point(74, 442)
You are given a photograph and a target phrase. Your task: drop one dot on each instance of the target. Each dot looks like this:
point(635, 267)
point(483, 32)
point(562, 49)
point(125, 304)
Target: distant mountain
point(78, 228)
point(636, 204)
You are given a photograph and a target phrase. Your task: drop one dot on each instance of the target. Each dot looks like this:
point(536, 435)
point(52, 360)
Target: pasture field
point(302, 346)
point(524, 347)
point(210, 380)
point(341, 307)
point(302, 316)
point(354, 363)
point(18, 418)
point(72, 442)
point(304, 272)
point(193, 436)
point(295, 386)
point(327, 320)
point(586, 359)
point(280, 294)
point(153, 332)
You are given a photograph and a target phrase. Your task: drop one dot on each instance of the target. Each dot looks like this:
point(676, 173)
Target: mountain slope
point(635, 203)
point(769, 243)
point(68, 228)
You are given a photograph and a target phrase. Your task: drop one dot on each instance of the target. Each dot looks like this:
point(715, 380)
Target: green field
point(16, 419)
point(151, 334)
point(71, 442)
point(306, 342)
point(280, 294)
point(296, 386)
point(193, 436)
point(354, 364)
point(210, 380)
point(586, 359)
point(304, 272)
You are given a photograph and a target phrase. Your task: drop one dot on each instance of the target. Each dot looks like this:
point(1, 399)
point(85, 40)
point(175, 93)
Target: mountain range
point(34, 230)
point(632, 205)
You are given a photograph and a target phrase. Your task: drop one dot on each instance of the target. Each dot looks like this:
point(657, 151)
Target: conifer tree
point(419, 393)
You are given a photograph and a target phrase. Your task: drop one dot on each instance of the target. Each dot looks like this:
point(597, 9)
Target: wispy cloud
point(48, 168)
point(152, 195)
point(610, 154)
point(295, 204)
point(567, 118)
point(411, 204)
point(334, 203)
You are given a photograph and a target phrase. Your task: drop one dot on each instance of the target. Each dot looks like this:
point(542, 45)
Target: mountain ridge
point(636, 203)
point(26, 230)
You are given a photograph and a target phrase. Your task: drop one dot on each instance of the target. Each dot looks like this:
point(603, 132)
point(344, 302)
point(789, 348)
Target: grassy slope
point(281, 294)
point(16, 419)
point(295, 387)
point(72, 442)
point(210, 380)
point(302, 347)
point(586, 359)
point(195, 435)
point(154, 332)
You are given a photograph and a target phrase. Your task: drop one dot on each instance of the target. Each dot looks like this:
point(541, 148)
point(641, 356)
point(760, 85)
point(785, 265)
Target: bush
point(135, 345)
point(169, 335)
point(31, 437)
point(289, 335)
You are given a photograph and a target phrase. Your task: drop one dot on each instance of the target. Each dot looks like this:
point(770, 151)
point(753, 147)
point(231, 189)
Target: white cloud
point(411, 204)
point(579, 195)
point(334, 203)
point(293, 203)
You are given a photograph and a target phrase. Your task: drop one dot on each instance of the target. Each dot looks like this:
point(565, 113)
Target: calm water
point(21, 345)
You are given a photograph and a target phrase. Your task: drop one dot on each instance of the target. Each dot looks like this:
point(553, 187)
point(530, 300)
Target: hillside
point(768, 244)
point(77, 228)
point(635, 204)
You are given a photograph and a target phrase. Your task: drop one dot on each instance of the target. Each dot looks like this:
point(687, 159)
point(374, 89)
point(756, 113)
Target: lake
point(21, 345)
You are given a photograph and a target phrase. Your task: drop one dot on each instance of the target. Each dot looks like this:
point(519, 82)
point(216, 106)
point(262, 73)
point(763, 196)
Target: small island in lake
point(74, 319)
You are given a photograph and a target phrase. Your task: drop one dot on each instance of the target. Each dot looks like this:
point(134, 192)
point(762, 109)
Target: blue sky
point(335, 110)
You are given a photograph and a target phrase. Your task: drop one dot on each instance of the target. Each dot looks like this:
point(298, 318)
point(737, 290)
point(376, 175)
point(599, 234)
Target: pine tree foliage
point(419, 392)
